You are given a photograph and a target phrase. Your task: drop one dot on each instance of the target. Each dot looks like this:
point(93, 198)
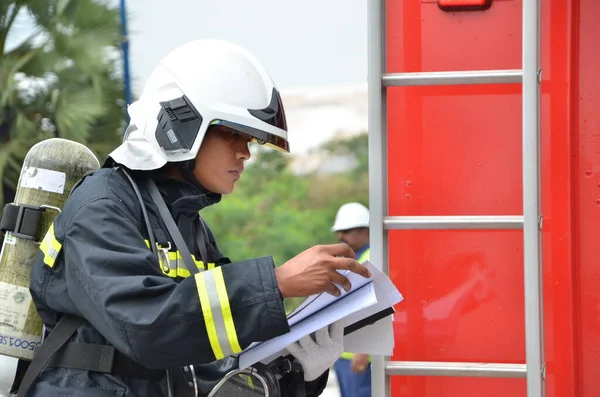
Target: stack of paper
point(364, 310)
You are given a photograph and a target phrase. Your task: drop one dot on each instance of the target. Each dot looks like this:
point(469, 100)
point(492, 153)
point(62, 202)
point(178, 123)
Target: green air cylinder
point(50, 170)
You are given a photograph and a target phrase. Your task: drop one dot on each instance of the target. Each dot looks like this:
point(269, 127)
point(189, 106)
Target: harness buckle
point(164, 252)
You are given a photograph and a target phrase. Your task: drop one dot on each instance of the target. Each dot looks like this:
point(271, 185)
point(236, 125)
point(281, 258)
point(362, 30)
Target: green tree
point(356, 146)
point(61, 80)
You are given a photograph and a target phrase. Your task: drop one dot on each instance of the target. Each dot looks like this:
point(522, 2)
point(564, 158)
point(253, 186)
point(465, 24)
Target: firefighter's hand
point(359, 363)
point(317, 352)
point(316, 270)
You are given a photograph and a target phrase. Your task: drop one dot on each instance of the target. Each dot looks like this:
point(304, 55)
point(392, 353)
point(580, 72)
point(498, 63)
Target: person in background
point(353, 371)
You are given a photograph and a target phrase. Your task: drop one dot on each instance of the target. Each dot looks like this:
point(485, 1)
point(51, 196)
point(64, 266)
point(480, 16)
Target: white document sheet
point(360, 299)
point(366, 298)
point(377, 338)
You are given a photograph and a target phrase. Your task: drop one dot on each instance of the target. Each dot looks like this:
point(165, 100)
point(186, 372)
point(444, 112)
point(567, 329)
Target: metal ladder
point(530, 222)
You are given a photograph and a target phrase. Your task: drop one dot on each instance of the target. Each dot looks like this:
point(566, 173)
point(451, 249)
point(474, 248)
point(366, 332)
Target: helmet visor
point(257, 136)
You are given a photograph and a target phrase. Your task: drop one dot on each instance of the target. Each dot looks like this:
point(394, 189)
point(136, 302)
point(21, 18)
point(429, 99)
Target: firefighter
point(111, 276)
point(351, 225)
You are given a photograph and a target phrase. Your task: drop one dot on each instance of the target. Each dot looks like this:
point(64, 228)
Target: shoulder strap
point(201, 241)
point(171, 226)
point(144, 212)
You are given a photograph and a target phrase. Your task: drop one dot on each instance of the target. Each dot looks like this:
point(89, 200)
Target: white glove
point(318, 355)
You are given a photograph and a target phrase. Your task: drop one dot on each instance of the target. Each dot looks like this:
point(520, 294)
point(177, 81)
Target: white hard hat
point(350, 216)
point(199, 84)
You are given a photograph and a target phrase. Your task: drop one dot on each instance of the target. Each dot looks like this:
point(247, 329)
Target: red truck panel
point(585, 127)
point(456, 150)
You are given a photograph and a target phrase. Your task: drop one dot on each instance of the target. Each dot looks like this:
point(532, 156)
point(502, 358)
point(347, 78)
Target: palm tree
point(62, 79)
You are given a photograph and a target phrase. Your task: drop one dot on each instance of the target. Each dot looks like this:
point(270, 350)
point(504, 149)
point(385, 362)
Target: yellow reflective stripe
point(171, 272)
point(217, 313)
point(226, 310)
point(366, 256)
point(350, 356)
point(50, 246)
point(184, 273)
point(174, 265)
point(209, 322)
point(182, 270)
point(177, 266)
point(176, 256)
point(248, 380)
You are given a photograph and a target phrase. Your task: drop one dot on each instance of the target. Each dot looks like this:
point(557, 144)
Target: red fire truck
point(485, 194)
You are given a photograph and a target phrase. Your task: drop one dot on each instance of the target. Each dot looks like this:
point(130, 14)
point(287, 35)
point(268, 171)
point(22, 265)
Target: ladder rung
point(481, 222)
point(453, 78)
point(485, 370)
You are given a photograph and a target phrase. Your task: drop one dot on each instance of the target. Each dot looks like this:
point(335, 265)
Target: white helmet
point(202, 83)
point(350, 216)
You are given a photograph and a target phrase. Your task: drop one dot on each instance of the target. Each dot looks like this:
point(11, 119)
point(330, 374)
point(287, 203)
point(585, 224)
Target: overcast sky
point(309, 43)
point(302, 43)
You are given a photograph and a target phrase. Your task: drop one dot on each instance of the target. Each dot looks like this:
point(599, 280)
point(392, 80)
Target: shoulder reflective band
point(176, 266)
point(50, 246)
point(350, 356)
point(217, 313)
point(365, 256)
point(464, 5)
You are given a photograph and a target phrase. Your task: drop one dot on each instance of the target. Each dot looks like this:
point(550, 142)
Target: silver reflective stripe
point(173, 264)
point(50, 246)
point(217, 313)
point(52, 253)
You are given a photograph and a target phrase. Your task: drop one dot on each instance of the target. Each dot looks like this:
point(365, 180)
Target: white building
point(316, 115)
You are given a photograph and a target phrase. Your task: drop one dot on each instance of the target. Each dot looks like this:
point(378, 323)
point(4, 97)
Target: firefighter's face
point(220, 160)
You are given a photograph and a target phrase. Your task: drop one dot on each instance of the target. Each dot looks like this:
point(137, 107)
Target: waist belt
point(101, 358)
point(55, 351)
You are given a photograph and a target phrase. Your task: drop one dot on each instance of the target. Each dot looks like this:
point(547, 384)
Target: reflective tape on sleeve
point(216, 310)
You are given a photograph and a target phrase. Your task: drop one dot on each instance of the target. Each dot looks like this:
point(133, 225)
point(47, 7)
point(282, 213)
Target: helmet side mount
point(178, 125)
